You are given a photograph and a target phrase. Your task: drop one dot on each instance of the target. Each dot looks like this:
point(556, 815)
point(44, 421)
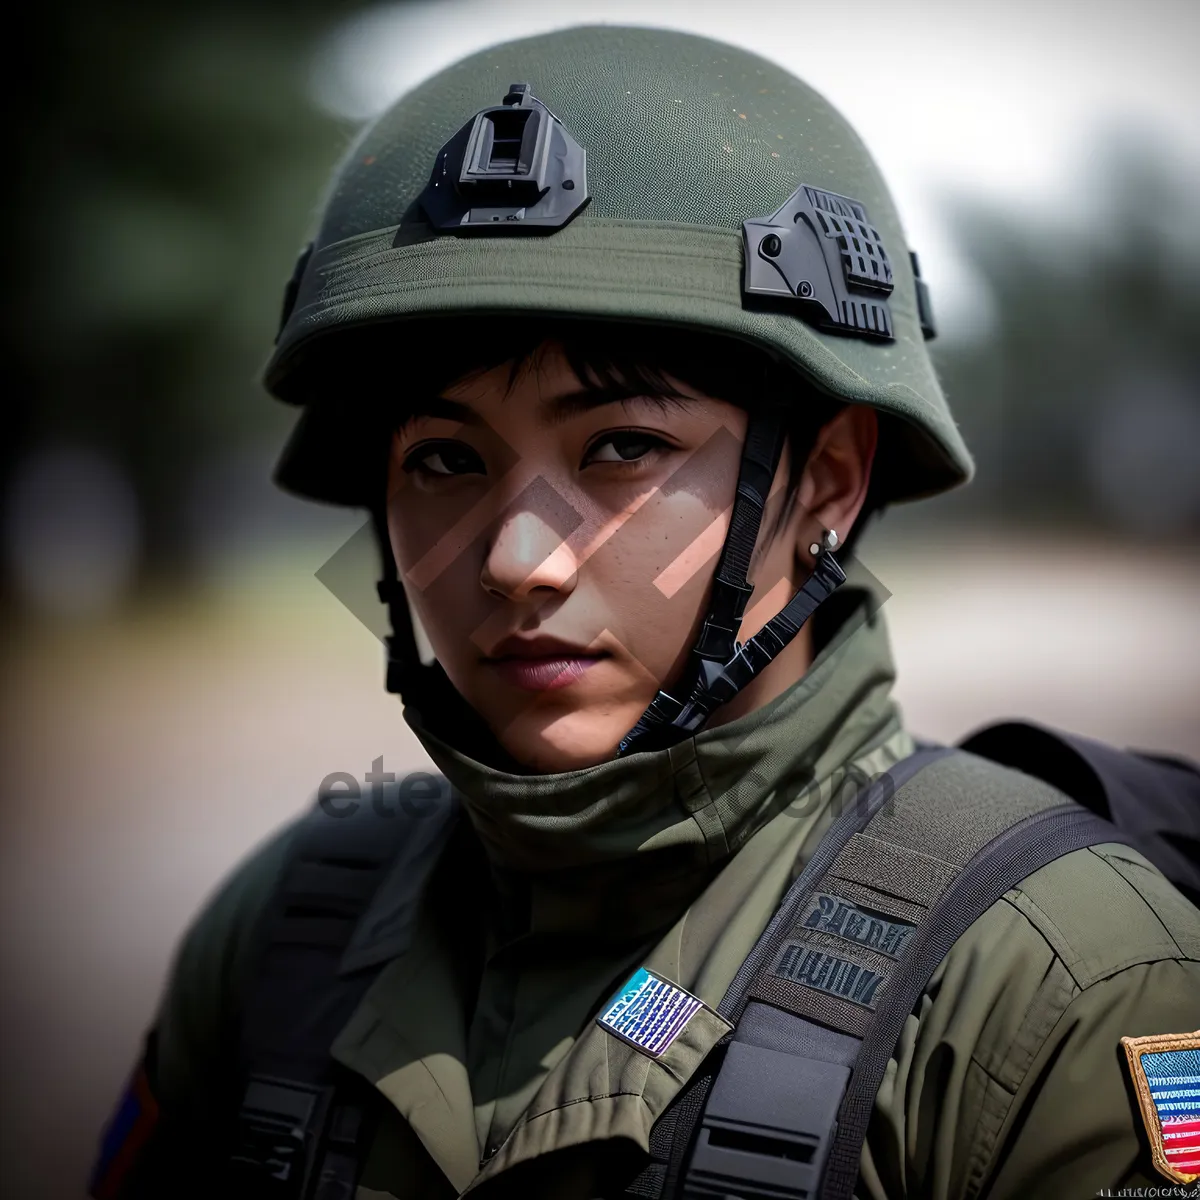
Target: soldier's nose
point(527, 553)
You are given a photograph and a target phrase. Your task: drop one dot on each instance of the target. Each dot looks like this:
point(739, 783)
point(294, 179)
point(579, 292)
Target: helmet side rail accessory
point(820, 249)
point(512, 167)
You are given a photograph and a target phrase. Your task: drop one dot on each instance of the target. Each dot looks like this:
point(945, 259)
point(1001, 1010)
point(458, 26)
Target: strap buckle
point(767, 1127)
point(718, 638)
point(278, 1126)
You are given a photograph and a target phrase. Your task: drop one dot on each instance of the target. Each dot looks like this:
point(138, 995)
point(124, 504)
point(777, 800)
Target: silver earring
point(828, 543)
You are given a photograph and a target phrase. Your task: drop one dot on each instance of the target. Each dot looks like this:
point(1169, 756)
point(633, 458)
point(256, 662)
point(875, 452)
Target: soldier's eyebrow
point(441, 406)
point(572, 404)
point(553, 411)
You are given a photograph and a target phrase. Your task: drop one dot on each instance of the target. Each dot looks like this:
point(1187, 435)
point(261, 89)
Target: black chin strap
point(427, 689)
point(404, 665)
point(669, 720)
point(719, 667)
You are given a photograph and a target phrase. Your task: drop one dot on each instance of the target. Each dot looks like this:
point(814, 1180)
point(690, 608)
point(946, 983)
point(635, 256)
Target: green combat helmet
point(636, 175)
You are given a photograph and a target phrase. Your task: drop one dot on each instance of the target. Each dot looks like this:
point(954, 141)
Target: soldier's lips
point(542, 674)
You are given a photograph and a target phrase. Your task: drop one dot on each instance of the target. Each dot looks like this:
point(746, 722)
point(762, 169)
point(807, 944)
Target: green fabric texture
point(595, 872)
point(1007, 1082)
point(694, 803)
point(685, 139)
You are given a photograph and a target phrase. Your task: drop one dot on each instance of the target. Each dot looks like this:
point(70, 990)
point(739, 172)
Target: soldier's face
point(558, 549)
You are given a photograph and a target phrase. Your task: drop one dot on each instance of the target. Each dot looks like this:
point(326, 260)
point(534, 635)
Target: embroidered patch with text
point(1166, 1075)
point(649, 1012)
point(843, 919)
point(816, 967)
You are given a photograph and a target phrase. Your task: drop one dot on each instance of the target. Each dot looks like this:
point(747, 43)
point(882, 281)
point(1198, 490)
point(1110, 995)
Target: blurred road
point(144, 757)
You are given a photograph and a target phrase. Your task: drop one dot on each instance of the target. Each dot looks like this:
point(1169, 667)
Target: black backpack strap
point(998, 866)
point(672, 1134)
point(1152, 799)
point(782, 1108)
point(345, 906)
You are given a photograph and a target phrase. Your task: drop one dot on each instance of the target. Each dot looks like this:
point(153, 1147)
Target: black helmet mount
point(511, 168)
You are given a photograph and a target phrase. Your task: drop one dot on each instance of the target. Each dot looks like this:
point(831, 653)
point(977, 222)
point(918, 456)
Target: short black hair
point(616, 357)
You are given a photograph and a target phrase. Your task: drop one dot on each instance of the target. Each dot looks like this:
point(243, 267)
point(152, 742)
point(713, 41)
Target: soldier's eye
point(444, 459)
point(629, 446)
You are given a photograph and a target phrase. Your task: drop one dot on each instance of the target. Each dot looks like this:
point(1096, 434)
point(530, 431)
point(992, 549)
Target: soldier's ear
point(834, 485)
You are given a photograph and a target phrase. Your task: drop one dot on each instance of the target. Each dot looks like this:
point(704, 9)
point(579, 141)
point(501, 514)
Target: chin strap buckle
point(668, 720)
point(718, 637)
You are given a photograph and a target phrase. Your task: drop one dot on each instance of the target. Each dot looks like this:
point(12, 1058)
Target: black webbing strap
point(730, 591)
point(1152, 799)
point(820, 1002)
point(720, 682)
point(303, 1124)
point(716, 643)
point(672, 1135)
point(857, 923)
point(1009, 858)
point(861, 812)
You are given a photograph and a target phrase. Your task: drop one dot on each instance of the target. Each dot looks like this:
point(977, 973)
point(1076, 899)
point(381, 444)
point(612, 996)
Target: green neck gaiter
point(622, 848)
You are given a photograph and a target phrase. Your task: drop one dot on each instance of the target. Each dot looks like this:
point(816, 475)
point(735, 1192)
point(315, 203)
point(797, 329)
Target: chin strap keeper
point(730, 590)
point(719, 684)
point(669, 720)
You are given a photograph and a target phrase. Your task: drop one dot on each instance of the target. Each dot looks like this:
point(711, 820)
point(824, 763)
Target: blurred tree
point(169, 161)
point(1094, 362)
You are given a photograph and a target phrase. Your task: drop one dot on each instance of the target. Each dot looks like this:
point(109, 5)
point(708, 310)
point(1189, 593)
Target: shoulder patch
point(127, 1133)
point(1166, 1075)
point(649, 1013)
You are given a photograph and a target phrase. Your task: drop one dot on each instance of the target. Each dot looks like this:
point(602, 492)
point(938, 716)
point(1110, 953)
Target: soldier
point(619, 357)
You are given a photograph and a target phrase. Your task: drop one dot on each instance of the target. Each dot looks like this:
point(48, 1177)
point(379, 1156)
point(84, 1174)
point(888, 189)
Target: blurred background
point(177, 679)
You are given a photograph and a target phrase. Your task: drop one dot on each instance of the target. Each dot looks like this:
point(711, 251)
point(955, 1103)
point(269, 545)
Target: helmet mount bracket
point(512, 168)
point(820, 250)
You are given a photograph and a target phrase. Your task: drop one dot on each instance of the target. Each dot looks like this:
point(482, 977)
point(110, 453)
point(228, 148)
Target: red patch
point(127, 1133)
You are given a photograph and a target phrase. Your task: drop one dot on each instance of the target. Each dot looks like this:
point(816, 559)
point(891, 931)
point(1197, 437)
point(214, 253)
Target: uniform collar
point(690, 806)
point(637, 844)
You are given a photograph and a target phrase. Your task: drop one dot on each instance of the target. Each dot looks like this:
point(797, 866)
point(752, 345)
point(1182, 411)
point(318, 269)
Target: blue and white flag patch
point(649, 1013)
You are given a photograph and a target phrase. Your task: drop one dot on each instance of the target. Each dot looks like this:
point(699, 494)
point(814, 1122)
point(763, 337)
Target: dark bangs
point(639, 360)
point(385, 371)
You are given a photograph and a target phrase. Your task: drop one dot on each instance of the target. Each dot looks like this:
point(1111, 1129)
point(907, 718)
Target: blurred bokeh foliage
point(169, 165)
point(169, 162)
point(1082, 401)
